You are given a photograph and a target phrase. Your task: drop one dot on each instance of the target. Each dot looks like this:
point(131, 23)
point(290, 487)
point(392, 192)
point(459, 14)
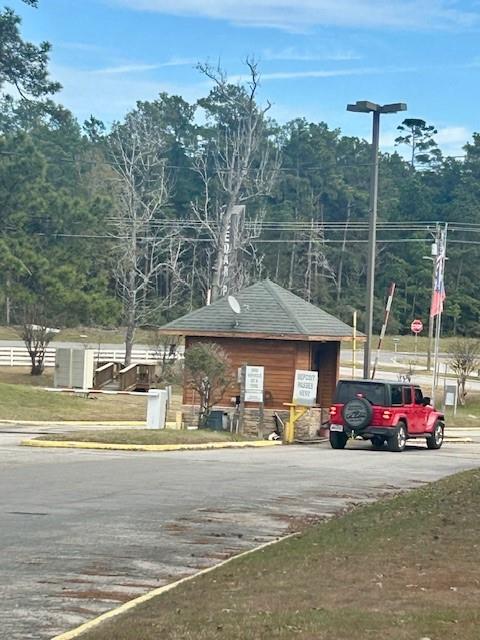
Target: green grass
point(406, 344)
point(145, 436)
point(401, 569)
point(24, 402)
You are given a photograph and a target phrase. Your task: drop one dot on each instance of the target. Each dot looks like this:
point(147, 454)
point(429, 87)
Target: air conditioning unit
point(74, 368)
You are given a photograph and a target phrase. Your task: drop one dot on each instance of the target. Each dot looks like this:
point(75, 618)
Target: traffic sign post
point(416, 327)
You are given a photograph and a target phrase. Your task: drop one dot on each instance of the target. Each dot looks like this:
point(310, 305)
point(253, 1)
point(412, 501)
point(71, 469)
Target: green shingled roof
point(266, 308)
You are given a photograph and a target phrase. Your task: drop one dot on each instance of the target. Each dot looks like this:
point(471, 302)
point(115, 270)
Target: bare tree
point(238, 166)
point(146, 247)
point(37, 337)
point(208, 371)
point(166, 352)
point(464, 359)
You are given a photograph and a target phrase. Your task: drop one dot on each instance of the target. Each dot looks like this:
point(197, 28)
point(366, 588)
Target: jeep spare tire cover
point(357, 413)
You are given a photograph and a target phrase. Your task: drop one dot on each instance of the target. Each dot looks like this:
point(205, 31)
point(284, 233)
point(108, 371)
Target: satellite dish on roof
point(234, 304)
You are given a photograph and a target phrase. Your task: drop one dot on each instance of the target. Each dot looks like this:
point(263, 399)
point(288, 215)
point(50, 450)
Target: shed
point(277, 330)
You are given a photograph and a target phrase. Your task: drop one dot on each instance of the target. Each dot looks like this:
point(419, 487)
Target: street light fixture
point(364, 106)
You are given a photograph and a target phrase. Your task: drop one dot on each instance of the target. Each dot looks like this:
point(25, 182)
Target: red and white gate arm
point(384, 326)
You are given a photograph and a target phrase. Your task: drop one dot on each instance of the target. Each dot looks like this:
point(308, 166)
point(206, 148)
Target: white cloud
point(81, 46)
point(450, 139)
point(290, 53)
point(301, 15)
point(323, 73)
point(119, 93)
point(139, 68)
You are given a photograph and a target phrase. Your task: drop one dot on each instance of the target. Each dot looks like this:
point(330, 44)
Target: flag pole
point(437, 308)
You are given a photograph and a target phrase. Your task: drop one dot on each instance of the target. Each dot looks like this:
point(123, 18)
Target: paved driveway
point(83, 531)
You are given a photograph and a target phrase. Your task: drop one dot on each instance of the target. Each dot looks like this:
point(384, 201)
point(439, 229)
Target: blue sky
point(315, 56)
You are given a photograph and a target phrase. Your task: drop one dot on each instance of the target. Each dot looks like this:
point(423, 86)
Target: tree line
point(141, 222)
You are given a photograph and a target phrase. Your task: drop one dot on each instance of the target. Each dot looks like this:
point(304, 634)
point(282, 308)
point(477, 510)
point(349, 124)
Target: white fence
point(18, 356)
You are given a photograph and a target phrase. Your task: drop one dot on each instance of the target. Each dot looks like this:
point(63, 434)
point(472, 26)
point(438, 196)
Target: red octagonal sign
point(416, 326)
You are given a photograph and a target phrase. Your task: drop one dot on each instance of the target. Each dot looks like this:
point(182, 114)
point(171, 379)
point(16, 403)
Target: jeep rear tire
point(357, 413)
point(398, 439)
point(435, 441)
point(338, 439)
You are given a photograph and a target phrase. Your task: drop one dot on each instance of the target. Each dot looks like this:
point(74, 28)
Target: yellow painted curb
point(70, 444)
point(87, 626)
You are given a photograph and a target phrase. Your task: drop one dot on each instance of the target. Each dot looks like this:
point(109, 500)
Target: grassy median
point(402, 569)
point(145, 436)
point(25, 402)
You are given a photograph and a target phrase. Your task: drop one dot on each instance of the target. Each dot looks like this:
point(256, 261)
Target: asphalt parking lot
point(82, 531)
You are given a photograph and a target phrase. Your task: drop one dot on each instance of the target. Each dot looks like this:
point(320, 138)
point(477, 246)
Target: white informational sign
point(305, 389)
point(450, 396)
point(254, 384)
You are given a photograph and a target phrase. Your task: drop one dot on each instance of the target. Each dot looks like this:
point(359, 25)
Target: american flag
point(439, 288)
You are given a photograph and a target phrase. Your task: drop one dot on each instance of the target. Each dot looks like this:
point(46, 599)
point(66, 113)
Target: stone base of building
point(259, 423)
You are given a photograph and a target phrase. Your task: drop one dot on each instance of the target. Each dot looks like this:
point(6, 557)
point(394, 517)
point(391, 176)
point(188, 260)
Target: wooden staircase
point(112, 376)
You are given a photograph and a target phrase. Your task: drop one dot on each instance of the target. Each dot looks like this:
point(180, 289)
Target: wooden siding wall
point(280, 359)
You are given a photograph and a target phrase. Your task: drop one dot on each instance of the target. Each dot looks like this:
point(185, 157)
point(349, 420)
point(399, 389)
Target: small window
point(418, 396)
point(396, 392)
point(407, 395)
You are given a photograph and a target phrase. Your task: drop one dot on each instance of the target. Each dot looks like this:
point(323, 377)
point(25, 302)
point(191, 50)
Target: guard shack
point(278, 331)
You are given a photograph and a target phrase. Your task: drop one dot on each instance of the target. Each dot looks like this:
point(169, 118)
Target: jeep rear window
point(375, 393)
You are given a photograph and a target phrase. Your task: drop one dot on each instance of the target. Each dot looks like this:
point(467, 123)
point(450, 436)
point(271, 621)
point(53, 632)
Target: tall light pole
point(364, 106)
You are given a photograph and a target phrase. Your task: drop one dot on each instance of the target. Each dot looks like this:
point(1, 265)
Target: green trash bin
point(215, 421)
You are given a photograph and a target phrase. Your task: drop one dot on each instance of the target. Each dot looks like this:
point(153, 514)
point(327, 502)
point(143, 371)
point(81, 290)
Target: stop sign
point(416, 326)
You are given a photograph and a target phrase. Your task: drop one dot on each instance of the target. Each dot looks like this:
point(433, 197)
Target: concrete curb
point(87, 626)
point(69, 444)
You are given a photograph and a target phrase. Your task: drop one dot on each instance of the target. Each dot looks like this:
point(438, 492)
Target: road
point(83, 531)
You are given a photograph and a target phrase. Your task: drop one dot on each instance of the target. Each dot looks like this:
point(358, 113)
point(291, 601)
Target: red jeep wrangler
point(383, 411)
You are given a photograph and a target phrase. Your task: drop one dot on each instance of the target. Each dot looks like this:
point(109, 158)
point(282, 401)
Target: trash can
point(215, 421)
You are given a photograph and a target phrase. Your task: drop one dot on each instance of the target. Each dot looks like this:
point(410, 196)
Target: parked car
point(384, 412)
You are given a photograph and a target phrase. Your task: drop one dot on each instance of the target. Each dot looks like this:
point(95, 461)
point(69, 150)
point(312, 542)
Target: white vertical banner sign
point(230, 248)
point(254, 384)
point(227, 247)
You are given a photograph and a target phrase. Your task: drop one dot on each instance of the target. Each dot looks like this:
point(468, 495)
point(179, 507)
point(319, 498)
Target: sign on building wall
point(305, 389)
point(254, 384)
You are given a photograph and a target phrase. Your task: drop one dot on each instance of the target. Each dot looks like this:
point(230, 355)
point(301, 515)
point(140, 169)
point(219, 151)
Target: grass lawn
point(467, 416)
point(145, 436)
point(401, 569)
point(24, 402)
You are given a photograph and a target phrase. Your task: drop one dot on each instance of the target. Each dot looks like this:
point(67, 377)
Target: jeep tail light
point(386, 415)
point(333, 411)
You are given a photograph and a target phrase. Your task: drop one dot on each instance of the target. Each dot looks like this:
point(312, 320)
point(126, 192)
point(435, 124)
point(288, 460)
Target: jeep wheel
point(398, 440)
point(357, 413)
point(338, 439)
point(435, 441)
point(378, 442)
